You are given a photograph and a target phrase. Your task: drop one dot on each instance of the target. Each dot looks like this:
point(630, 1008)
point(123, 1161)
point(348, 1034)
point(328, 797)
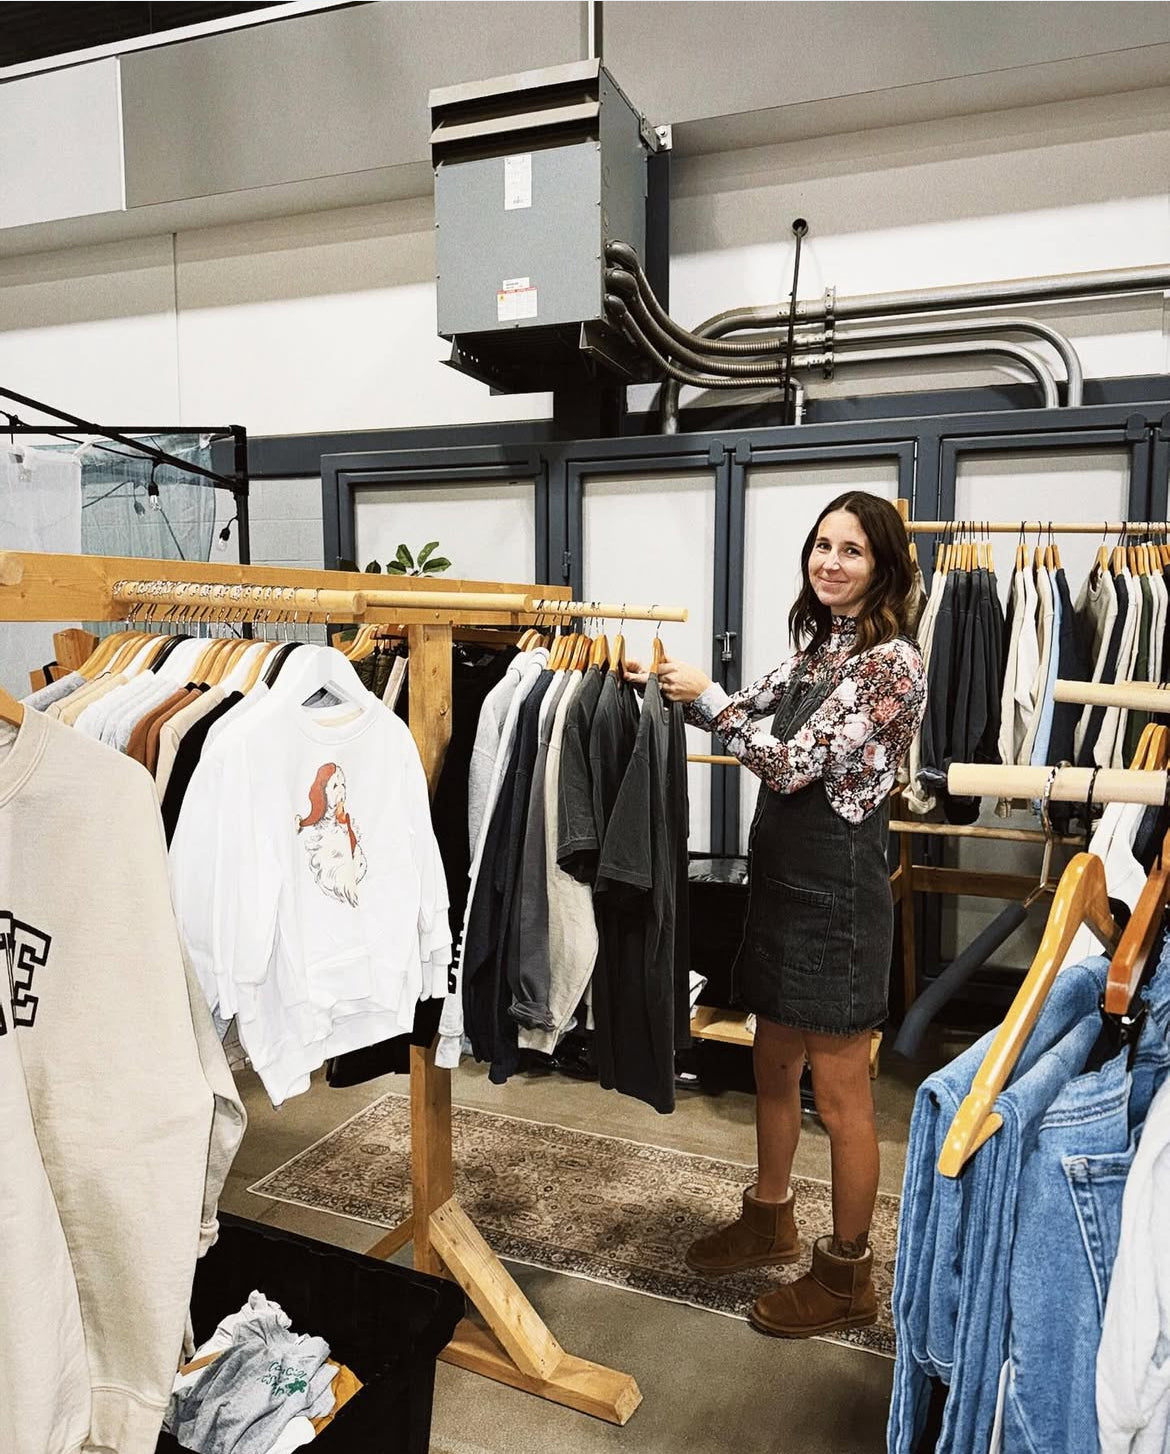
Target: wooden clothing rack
point(515, 1347)
point(1037, 527)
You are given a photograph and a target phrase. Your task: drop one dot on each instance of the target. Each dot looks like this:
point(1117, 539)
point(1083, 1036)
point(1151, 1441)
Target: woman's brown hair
point(885, 607)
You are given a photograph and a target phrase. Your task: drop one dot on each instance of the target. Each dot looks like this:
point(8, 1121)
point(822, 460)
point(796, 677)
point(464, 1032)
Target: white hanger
point(319, 668)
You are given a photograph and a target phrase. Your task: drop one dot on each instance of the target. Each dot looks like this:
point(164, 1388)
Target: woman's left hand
point(681, 682)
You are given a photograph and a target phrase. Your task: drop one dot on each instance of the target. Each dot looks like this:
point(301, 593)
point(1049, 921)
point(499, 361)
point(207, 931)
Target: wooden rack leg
point(519, 1350)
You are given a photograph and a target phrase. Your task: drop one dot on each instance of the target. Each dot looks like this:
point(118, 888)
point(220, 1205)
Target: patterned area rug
point(597, 1207)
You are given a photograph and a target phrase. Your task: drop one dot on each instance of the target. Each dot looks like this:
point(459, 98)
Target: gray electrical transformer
point(534, 173)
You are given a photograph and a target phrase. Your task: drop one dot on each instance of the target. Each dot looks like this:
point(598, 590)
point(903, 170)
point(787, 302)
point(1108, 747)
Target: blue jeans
point(1065, 1244)
point(955, 1234)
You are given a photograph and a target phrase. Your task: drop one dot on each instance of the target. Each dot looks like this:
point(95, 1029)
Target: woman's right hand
point(634, 672)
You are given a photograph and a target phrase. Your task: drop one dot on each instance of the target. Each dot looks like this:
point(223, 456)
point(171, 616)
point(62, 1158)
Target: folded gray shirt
point(254, 1389)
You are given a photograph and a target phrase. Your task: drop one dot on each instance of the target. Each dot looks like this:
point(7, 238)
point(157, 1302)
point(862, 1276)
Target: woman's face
point(840, 567)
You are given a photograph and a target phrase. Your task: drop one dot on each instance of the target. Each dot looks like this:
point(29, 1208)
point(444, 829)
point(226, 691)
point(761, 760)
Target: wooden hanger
point(94, 663)
point(257, 666)
point(599, 653)
point(581, 653)
point(1081, 898)
point(1158, 755)
point(617, 656)
point(363, 644)
point(11, 710)
point(201, 672)
point(106, 650)
point(128, 650)
point(1128, 964)
point(657, 652)
point(228, 660)
point(1141, 751)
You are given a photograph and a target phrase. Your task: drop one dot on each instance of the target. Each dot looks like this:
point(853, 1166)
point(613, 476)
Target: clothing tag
point(323, 697)
point(518, 181)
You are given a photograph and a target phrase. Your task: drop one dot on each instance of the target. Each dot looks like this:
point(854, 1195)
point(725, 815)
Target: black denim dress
point(820, 924)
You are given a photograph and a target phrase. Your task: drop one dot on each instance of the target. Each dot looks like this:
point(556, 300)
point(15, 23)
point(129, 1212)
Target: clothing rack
point(1043, 527)
point(1068, 784)
point(516, 1348)
point(1140, 696)
point(238, 482)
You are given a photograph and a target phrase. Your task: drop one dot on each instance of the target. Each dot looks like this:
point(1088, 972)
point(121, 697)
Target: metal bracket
point(1135, 427)
point(566, 565)
point(1164, 427)
point(716, 452)
point(743, 451)
point(830, 331)
point(664, 136)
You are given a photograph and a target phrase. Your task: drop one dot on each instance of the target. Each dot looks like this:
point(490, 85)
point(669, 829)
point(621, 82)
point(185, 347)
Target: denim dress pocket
point(803, 922)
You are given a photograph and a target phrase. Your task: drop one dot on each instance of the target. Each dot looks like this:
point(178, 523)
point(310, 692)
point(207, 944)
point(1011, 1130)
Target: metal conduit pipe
point(1019, 355)
point(1057, 289)
point(977, 295)
point(895, 331)
point(633, 326)
point(983, 327)
point(991, 347)
point(845, 343)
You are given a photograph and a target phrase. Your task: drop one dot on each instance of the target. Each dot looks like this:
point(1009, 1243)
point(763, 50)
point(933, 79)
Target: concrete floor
point(709, 1383)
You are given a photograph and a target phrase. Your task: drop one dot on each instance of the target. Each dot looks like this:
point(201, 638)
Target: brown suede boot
point(764, 1235)
point(836, 1293)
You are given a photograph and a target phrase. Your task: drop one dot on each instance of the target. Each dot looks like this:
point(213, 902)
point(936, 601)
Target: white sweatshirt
point(113, 1091)
point(308, 884)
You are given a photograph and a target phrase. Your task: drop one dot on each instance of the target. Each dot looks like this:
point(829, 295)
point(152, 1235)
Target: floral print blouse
point(854, 741)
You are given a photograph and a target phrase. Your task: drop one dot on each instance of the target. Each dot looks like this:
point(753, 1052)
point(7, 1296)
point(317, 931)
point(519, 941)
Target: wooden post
point(522, 1352)
point(430, 1086)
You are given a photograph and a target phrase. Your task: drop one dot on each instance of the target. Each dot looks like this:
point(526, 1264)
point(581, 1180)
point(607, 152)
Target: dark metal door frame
point(627, 459)
point(345, 476)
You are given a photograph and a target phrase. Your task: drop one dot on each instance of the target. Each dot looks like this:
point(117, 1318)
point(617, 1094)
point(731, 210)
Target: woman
point(815, 960)
point(336, 859)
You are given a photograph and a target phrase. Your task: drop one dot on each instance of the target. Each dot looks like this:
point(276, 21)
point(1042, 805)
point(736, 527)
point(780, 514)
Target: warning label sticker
point(515, 299)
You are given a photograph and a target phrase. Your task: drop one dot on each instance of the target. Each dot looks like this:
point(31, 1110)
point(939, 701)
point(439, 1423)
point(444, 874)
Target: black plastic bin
point(387, 1323)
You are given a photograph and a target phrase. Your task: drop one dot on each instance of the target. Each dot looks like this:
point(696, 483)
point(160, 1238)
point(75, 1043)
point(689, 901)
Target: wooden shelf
point(730, 1027)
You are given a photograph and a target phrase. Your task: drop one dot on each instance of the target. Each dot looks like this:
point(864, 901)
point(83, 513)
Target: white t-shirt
point(308, 883)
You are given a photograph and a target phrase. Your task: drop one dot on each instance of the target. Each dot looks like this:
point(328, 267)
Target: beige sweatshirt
point(118, 1116)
